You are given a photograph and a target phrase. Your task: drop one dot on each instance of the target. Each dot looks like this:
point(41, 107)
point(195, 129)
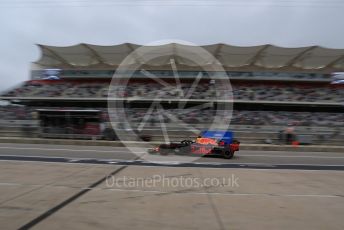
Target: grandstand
point(271, 87)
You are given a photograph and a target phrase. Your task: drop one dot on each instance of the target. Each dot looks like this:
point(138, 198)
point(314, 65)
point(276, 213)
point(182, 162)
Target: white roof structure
point(264, 56)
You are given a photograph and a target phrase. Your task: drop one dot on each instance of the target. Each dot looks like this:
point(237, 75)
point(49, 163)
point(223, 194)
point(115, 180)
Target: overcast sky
point(289, 23)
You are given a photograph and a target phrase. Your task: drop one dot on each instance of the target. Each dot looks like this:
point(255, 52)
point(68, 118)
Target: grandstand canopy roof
point(264, 56)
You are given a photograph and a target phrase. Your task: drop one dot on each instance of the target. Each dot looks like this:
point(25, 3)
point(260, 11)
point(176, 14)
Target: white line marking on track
point(125, 151)
point(288, 156)
point(154, 166)
point(176, 192)
point(242, 164)
point(71, 150)
point(69, 159)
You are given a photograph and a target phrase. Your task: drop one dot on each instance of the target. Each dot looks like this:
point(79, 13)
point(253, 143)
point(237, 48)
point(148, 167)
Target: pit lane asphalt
point(122, 156)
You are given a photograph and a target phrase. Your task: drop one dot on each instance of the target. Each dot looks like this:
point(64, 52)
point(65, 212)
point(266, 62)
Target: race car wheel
point(183, 150)
point(228, 154)
point(164, 151)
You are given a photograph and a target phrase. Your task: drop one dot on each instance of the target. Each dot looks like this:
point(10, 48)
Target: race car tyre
point(183, 150)
point(151, 151)
point(228, 154)
point(164, 152)
point(109, 135)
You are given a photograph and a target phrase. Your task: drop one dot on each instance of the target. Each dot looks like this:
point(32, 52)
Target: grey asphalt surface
point(42, 187)
point(121, 153)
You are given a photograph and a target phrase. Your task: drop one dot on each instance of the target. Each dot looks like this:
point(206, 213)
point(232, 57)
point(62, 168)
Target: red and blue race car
point(210, 142)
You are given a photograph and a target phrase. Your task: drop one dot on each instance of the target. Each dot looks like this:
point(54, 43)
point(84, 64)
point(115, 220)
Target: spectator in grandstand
point(281, 136)
point(289, 134)
point(257, 92)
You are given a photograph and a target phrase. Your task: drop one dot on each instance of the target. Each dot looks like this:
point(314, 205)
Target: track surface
point(122, 156)
point(74, 194)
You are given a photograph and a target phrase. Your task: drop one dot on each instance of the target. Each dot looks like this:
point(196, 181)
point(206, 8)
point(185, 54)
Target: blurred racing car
point(209, 142)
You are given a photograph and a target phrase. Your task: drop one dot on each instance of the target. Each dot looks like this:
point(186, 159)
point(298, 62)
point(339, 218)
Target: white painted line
point(242, 164)
point(291, 164)
point(71, 150)
point(69, 159)
point(73, 160)
point(164, 162)
point(119, 161)
point(68, 163)
point(284, 152)
point(288, 156)
point(189, 167)
point(10, 184)
point(204, 163)
point(176, 192)
point(283, 170)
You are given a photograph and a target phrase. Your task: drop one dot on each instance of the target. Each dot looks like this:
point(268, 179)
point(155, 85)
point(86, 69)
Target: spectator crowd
point(251, 92)
point(199, 116)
